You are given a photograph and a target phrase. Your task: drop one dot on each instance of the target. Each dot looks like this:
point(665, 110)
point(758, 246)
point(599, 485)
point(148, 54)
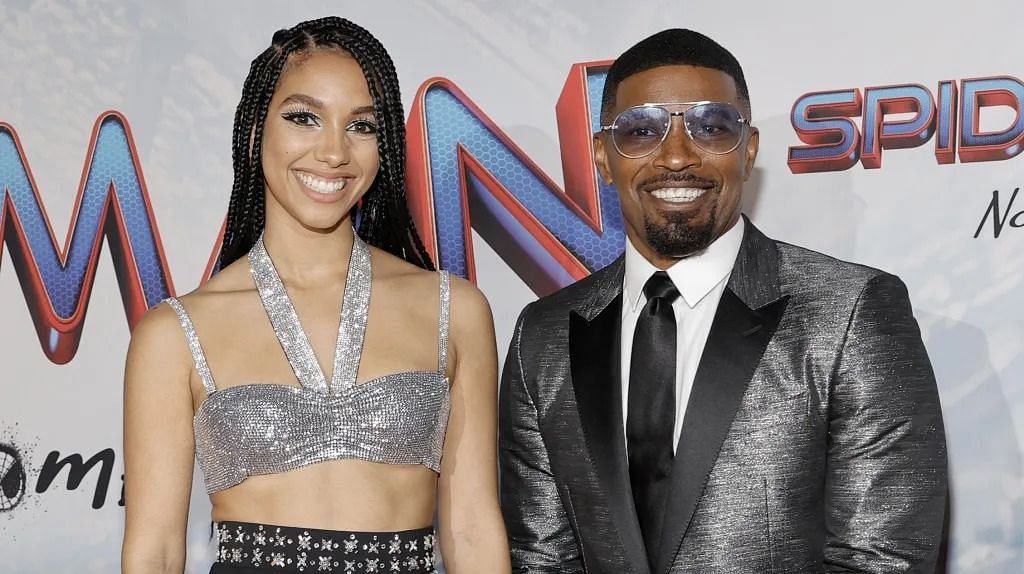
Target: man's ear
point(753, 140)
point(601, 159)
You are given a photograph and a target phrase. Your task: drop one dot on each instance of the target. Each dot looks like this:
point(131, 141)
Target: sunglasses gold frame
point(744, 122)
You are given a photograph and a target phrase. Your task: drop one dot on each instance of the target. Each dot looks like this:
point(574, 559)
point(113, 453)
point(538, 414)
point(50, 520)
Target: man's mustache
point(677, 180)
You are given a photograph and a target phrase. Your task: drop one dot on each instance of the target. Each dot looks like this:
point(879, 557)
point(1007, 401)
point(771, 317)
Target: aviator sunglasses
point(715, 127)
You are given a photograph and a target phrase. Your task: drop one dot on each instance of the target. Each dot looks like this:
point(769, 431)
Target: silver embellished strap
point(445, 320)
point(193, 344)
point(284, 319)
point(355, 310)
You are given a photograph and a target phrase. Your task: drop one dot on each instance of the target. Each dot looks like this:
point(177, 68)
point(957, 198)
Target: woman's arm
point(158, 446)
point(472, 532)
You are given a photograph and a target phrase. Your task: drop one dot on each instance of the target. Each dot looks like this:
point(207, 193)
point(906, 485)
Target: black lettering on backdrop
point(1000, 217)
point(77, 471)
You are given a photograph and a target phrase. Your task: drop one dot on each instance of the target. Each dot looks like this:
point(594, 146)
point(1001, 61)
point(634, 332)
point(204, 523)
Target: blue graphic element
point(845, 147)
point(946, 118)
point(874, 97)
point(450, 123)
point(111, 172)
point(971, 108)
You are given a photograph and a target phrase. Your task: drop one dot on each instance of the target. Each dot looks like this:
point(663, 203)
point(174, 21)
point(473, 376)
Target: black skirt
point(248, 548)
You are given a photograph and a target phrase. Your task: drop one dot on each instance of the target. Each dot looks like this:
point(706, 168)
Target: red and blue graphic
point(823, 121)
point(465, 174)
point(112, 201)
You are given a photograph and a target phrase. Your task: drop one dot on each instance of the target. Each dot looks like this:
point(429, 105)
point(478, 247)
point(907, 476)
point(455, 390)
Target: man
point(714, 400)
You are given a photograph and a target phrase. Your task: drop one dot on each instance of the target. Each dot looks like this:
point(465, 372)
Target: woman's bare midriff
point(347, 495)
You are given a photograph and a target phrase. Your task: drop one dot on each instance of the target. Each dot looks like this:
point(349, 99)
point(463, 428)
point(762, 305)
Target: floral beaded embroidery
point(288, 550)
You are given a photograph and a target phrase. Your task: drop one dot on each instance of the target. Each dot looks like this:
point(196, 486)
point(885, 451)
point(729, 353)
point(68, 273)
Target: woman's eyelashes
point(364, 128)
point(303, 118)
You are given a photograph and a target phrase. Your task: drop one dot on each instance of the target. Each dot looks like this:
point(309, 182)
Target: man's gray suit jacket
point(812, 440)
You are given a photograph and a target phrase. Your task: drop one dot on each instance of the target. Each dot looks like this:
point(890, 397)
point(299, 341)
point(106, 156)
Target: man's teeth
point(321, 185)
point(678, 194)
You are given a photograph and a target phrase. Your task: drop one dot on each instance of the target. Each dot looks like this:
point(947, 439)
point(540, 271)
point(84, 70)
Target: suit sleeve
point(540, 537)
point(885, 487)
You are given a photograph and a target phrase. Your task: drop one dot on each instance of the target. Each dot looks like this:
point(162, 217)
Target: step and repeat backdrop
point(891, 134)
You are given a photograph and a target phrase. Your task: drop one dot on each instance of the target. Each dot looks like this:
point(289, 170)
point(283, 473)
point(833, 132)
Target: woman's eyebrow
point(303, 99)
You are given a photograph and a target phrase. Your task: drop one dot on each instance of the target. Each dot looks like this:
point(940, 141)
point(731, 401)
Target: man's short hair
point(673, 47)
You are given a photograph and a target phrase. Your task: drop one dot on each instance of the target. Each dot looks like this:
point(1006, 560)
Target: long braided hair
point(383, 216)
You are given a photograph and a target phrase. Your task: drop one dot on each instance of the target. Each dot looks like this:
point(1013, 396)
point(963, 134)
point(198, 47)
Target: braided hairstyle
point(383, 216)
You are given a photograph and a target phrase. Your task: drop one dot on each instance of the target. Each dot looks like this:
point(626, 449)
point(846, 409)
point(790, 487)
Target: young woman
point(335, 390)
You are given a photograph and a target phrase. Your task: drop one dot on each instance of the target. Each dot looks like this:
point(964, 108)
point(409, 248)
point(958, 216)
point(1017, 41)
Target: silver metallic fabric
point(267, 428)
point(813, 440)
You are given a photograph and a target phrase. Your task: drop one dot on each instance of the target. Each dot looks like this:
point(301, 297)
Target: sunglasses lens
point(715, 127)
point(639, 131)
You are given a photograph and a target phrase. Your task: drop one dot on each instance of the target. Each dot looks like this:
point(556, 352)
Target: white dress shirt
point(700, 279)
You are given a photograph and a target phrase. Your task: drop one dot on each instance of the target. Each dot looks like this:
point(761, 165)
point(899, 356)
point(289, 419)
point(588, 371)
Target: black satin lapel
point(733, 350)
point(594, 362)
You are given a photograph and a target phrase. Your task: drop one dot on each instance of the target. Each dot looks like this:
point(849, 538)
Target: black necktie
point(651, 406)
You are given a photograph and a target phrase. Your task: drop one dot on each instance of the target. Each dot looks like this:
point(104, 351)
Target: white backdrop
point(175, 70)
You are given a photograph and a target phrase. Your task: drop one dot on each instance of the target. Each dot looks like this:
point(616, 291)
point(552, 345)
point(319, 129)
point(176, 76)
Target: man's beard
point(677, 236)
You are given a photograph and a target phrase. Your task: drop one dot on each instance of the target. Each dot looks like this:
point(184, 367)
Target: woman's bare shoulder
point(158, 343)
point(471, 312)
point(418, 284)
point(156, 324)
point(219, 291)
point(396, 271)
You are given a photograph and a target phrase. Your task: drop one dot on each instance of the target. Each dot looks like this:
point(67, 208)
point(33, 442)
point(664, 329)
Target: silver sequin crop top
point(265, 428)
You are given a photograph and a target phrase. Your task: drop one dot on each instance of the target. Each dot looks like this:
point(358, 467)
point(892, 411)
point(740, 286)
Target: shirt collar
point(694, 276)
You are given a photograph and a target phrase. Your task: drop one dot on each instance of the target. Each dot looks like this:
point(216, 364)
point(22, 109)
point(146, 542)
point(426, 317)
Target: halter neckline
point(355, 307)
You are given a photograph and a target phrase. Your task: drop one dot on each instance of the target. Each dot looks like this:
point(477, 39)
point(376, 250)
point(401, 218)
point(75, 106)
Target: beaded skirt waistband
point(247, 547)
